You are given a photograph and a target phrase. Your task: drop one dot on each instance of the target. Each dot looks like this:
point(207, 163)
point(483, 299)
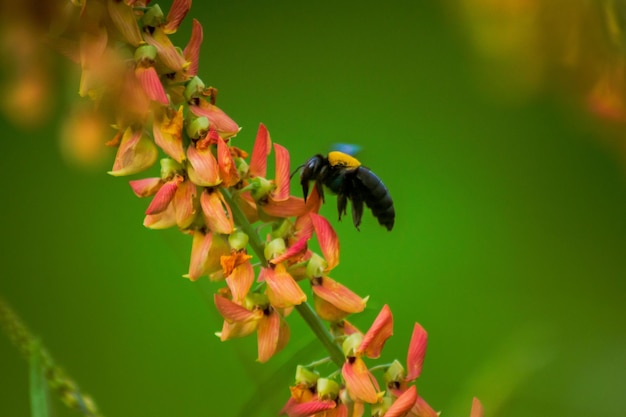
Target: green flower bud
point(351, 344)
point(198, 127)
point(306, 376)
point(153, 16)
point(316, 266)
point(327, 389)
point(260, 188)
point(395, 372)
point(255, 299)
point(145, 53)
point(194, 88)
point(274, 248)
point(169, 168)
point(238, 240)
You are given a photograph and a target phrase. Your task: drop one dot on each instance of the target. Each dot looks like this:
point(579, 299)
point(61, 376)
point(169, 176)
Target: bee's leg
point(357, 209)
point(342, 202)
point(320, 190)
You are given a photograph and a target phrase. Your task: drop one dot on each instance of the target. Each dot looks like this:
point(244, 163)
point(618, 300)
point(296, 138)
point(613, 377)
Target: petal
point(326, 311)
point(168, 134)
point(327, 238)
point(377, 335)
point(146, 186)
point(166, 51)
point(233, 312)
point(247, 204)
point(294, 251)
point(240, 281)
point(292, 207)
point(237, 329)
point(422, 409)
point(282, 178)
point(204, 170)
point(185, 204)
point(219, 248)
point(226, 163)
point(199, 254)
point(310, 408)
point(232, 261)
point(338, 295)
point(124, 19)
point(417, 351)
point(151, 84)
point(403, 403)
point(262, 144)
point(177, 13)
point(217, 214)
point(164, 196)
point(92, 45)
point(285, 291)
point(267, 335)
point(192, 50)
point(219, 120)
point(161, 220)
point(360, 383)
point(136, 153)
point(477, 408)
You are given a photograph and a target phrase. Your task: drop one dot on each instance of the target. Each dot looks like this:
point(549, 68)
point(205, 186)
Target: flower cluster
point(215, 192)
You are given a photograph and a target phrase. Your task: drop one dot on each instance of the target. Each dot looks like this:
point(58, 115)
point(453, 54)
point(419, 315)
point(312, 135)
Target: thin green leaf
point(38, 386)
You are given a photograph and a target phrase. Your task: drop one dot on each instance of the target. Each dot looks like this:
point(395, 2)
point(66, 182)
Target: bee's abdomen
point(376, 196)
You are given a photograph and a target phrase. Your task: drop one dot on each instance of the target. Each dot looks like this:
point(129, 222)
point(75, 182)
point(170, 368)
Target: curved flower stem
point(308, 314)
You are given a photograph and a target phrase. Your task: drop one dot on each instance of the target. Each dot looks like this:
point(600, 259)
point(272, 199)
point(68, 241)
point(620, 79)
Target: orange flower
point(397, 379)
point(360, 383)
point(272, 330)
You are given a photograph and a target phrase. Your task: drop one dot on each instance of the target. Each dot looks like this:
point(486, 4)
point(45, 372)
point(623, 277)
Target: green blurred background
point(509, 245)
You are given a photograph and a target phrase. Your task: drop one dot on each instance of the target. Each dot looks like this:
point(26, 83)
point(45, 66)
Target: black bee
point(344, 175)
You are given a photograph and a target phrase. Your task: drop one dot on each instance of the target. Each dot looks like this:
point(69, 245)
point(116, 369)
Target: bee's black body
point(345, 176)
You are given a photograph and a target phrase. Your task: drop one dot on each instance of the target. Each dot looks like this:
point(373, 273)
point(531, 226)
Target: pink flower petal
point(338, 295)
point(164, 196)
point(237, 329)
point(282, 173)
point(146, 187)
point(217, 214)
point(297, 249)
point(422, 409)
point(292, 207)
point(136, 153)
point(262, 148)
point(204, 170)
point(403, 403)
point(417, 351)
point(162, 220)
point(219, 120)
point(360, 383)
point(267, 335)
point(477, 408)
point(185, 204)
point(124, 19)
point(377, 335)
point(233, 312)
point(192, 50)
point(327, 238)
point(199, 254)
point(285, 290)
point(151, 84)
point(310, 408)
point(177, 13)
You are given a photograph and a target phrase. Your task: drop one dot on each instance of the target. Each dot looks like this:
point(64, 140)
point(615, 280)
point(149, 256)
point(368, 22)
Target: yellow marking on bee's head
point(337, 158)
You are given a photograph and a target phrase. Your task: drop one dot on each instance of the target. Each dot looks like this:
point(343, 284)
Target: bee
point(344, 175)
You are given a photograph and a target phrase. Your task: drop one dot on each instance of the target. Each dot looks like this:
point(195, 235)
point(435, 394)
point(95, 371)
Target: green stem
point(30, 347)
point(308, 314)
